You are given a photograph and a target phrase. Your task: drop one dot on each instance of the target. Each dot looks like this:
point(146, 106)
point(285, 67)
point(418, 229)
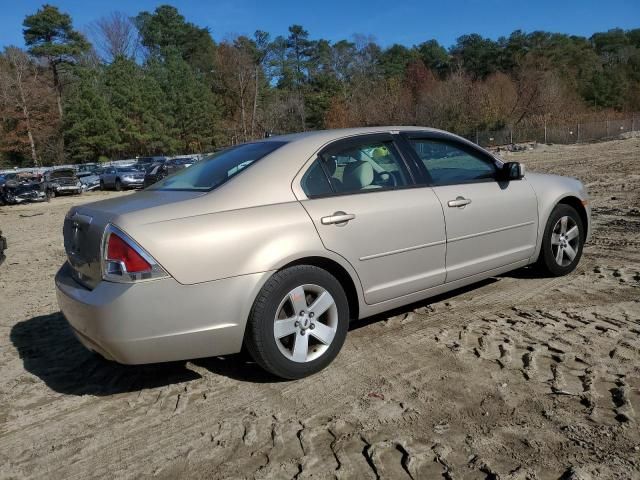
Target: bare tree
point(235, 69)
point(261, 40)
point(115, 35)
point(18, 73)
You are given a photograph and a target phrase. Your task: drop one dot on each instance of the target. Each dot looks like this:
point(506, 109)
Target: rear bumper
point(160, 320)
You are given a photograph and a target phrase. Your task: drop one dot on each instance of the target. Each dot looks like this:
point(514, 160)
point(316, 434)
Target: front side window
point(448, 164)
point(218, 168)
point(370, 165)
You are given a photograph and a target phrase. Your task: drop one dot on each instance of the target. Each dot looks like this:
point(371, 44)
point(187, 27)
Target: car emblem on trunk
point(75, 238)
point(78, 222)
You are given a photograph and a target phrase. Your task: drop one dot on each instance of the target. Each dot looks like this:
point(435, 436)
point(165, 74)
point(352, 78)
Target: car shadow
point(528, 272)
point(50, 351)
point(356, 324)
point(239, 366)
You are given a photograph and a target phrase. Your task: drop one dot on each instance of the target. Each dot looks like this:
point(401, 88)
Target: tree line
point(158, 84)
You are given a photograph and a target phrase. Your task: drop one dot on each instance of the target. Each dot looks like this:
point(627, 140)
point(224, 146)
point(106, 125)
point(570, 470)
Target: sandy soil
point(519, 377)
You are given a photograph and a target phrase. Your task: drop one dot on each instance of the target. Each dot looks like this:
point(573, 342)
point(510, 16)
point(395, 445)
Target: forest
point(158, 84)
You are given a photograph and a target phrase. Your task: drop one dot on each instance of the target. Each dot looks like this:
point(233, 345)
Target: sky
point(407, 22)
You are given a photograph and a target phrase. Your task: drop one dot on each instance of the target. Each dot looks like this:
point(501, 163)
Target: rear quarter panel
point(225, 244)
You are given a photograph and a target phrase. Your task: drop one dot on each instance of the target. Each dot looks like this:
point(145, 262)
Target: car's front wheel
point(118, 185)
point(298, 322)
point(562, 242)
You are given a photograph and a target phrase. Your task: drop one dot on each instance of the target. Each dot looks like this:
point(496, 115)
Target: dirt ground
point(519, 377)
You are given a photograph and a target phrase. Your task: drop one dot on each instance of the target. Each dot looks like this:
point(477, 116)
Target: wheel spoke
point(571, 253)
point(283, 328)
point(572, 233)
point(555, 239)
point(559, 255)
point(298, 300)
point(323, 333)
point(300, 348)
point(563, 225)
point(322, 304)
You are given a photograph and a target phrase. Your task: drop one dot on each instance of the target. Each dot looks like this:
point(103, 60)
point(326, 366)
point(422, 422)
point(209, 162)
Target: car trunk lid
point(84, 227)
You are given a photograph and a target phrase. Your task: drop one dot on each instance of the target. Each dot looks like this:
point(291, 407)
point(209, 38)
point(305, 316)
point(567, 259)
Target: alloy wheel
point(306, 323)
point(565, 240)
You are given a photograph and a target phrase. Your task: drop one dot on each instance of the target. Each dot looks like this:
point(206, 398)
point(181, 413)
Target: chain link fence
point(578, 132)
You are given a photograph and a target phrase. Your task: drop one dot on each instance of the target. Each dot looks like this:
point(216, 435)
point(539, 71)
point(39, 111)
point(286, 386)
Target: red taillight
point(121, 251)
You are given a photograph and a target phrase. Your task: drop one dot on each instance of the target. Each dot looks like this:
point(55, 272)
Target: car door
point(109, 177)
point(490, 223)
point(362, 199)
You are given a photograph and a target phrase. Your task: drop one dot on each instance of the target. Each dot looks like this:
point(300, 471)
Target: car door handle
point(338, 218)
point(459, 202)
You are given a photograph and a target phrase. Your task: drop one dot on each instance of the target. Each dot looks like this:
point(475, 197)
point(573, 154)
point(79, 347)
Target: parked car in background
point(143, 163)
point(90, 179)
point(85, 168)
point(120, 178)
point(277, 244)
point(5, 177)
point(155, 173)
point(61, 181)
point(176, 164)
point(22, 187)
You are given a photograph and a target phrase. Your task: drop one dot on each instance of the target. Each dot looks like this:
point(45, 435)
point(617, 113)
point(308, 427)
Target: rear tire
point(284, 335)
point(562, 242)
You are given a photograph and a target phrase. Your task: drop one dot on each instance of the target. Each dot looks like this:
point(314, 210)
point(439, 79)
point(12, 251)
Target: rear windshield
point(216, 169)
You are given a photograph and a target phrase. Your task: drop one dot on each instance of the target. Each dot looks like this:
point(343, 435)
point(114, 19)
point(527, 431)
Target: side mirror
point(512, 171)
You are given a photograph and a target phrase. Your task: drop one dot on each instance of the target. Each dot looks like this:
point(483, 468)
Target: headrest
point(331, 165)
point(357, 175)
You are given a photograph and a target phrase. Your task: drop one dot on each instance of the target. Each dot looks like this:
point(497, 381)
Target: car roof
point(335, 134)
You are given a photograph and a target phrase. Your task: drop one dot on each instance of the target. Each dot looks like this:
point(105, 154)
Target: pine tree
point(89, 127)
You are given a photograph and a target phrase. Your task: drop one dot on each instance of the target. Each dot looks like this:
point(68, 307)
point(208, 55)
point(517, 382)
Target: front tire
point(562, 243)
point(298, 322)
point(118, 185)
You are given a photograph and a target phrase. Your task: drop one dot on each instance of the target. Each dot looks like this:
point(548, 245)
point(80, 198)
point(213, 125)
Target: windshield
point(182, 161)
point(215, 170)
point(127, 170)
point(62, 173)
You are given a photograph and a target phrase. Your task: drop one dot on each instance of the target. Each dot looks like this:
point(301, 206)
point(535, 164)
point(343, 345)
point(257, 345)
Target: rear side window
point(448, 164)
point(314, 182)
point(218, 168)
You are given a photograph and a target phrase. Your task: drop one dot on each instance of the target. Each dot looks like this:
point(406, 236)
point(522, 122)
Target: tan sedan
point(278, 244)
